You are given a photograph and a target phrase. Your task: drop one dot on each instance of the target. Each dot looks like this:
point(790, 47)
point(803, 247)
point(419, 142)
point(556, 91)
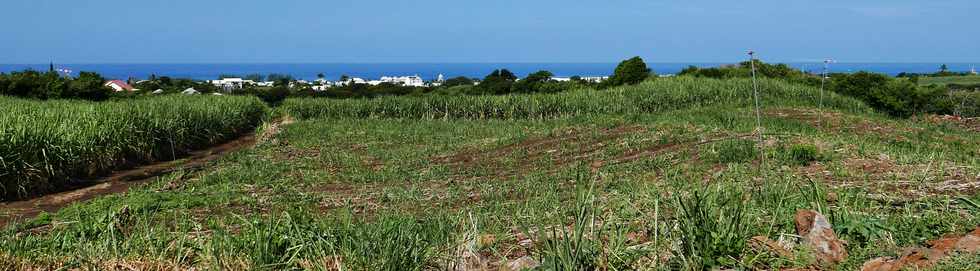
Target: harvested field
point(380, 185)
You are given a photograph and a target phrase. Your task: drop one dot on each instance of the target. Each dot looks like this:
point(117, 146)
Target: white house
point(591, 79)
point(349, 81)
point(411, 81)
point(595, 79)
point(118, 85)
point(231, 83)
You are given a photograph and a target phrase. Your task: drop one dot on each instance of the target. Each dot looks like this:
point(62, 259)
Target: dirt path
point(117, 182)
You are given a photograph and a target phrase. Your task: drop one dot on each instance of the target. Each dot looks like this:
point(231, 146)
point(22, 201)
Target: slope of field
point(680, 187)
point(45, 145)
point(648, 97)
point(946, 80)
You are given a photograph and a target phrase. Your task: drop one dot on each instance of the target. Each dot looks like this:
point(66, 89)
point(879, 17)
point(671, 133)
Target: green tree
point(629, 72)
point(497, 82)
point(89, 86)
point(533, 82)
point(539, 76)
point(458, 81)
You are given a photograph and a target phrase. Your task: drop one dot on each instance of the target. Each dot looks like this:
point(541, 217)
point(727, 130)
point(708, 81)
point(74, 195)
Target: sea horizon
point(431, 70)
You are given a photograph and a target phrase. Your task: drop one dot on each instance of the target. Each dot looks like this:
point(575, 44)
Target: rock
point(818, 234)
point(922, 258)
point(470, 261)
point(522, 263)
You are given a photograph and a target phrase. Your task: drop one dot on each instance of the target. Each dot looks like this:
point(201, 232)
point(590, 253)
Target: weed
point(713, 228)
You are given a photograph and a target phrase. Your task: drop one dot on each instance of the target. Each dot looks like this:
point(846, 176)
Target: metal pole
point(823, 79)
point(755, 91)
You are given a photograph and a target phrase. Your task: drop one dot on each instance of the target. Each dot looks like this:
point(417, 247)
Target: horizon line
point(476, 62)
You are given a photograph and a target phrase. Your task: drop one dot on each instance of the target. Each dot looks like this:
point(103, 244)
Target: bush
point(803, 154)
point(51, 85)
point(736, 151)
point(712, 228)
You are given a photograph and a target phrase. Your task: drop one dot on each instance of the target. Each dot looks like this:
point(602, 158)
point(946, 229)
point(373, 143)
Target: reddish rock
point(818, 234)
point(920, 258)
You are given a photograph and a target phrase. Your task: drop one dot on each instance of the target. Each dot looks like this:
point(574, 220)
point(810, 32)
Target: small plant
point(803, 154)
point(588, 244)
point(736, 151)
point(712, 227)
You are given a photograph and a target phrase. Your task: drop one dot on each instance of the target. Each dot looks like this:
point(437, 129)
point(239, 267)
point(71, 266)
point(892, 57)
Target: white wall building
point(411, 81)
point(591, 79)
point(231, 83)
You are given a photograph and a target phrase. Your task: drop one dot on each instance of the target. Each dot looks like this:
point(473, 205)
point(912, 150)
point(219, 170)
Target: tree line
point(896, 96)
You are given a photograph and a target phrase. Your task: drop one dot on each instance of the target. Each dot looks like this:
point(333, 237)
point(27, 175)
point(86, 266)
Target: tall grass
point(43, 145)
point(649, 97)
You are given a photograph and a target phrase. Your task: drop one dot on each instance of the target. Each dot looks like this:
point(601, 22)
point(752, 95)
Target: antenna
point(823, 78)
point(755, 92)
point(758, 115)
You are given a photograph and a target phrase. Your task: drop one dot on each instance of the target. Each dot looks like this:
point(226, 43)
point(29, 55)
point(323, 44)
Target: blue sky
point(251, 31)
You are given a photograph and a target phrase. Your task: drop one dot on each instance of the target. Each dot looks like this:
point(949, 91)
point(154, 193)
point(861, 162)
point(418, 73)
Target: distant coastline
point(429, 71)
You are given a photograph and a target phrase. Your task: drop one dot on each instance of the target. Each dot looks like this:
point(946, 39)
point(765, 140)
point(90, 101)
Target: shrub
point(803, 154)
point(736, 151)
point(712, 228)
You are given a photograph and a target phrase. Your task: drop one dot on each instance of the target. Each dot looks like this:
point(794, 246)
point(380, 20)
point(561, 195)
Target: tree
point(628, 72)
point(320, 75)
point(533, 82)
point(943, 68)
point(458, 81)
point(497, 82)
point(280, 79)
point(89, 86)
point(539, 76)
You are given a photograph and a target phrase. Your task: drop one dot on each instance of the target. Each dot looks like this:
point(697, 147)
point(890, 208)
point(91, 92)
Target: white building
point(355, 80)
point(590, 79)
point(231, 83)
point(595, 79)
point(118, 85)
point(410, 81)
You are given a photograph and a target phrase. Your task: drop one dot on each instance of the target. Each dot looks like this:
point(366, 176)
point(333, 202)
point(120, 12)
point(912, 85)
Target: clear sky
point(252, 31)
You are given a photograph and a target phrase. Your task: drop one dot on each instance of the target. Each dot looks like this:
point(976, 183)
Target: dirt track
point(117, 182)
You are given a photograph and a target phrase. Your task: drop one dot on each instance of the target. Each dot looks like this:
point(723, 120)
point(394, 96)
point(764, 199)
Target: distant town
point(233, 83)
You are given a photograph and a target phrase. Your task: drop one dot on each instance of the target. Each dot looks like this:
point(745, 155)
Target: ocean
point(428, 71)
